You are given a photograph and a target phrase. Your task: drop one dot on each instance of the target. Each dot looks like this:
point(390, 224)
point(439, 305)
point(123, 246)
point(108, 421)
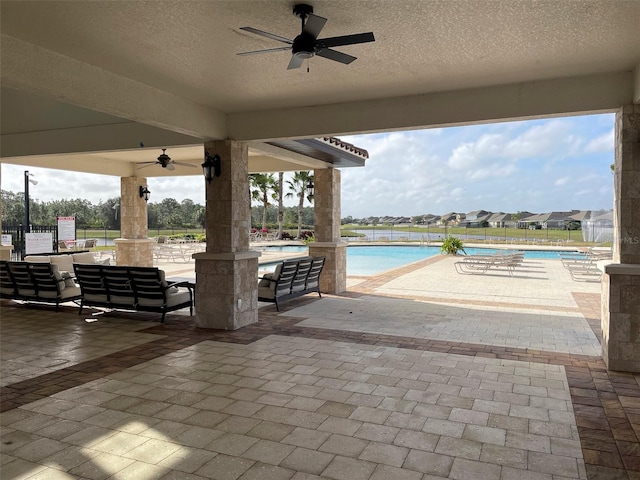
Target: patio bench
point(291, 278)
point(37, 282)
point(131, 288)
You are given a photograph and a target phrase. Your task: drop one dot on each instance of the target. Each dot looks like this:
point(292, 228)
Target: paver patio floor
point(377, 383)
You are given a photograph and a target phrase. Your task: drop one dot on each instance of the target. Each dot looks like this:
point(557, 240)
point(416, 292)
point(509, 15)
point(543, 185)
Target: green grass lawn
point(492, 235)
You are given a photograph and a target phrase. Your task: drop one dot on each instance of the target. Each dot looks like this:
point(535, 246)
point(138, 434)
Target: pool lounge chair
point(479, 264)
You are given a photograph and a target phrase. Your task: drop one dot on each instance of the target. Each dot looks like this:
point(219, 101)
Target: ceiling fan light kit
point(165, 161)
point(307, 44)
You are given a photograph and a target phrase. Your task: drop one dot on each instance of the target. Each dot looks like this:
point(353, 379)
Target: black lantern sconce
point(310, 188)
point(211, 166)
point(144, 192)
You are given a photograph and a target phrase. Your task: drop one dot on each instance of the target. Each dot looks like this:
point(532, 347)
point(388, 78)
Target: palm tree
point(299, 185)
point(263, 186)
point(280, 204)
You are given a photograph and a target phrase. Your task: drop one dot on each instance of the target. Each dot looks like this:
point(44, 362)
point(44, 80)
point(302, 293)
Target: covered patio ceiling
point(84, 84)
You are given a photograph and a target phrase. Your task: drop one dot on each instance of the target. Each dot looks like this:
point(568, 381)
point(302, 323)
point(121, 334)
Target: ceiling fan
point(165, 161)
point(307, 44)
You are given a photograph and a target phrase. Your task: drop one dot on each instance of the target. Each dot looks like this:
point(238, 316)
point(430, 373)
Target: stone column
point(5, 250)
point(621, 279)
point(134, 247)
point(227, 273)
point(326, 198)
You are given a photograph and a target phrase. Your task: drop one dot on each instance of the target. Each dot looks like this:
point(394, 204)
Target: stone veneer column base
point(5, 252)
point(135, 252)
point(334, 273)
point(226, 289)
point(621, 317)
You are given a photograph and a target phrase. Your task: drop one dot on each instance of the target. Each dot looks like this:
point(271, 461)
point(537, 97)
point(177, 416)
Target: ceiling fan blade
point(314, 25)
point(268, 50)
point(267, 34)
point(346, 40)
point(146, 164)
point(170, 166)
point(184, 164)
point(336, 56)
point(295, 62)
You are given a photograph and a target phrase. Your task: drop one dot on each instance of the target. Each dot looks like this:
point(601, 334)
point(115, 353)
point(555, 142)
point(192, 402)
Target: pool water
point(365, 261)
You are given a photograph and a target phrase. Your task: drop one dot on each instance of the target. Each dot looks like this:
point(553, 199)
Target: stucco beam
point(118, 136)
point(77, 163)
point(296, 161)
point(38, 70)
point(563, 96)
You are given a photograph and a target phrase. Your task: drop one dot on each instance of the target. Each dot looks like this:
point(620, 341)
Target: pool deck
point(417, 373)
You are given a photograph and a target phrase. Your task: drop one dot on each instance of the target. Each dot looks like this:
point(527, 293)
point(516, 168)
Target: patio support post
point(621, 279)
point(133, 247)
point(226, 274)
point(328, 243)
point(5, 250)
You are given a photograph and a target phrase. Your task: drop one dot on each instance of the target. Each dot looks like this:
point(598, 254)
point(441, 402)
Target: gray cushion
point(264, 282)
point(64, 262)
point(84, 257)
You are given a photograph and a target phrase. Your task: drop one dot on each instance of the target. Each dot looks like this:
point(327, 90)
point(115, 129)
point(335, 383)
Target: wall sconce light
point(310, 188)
point(211, 166)
point(144, 192)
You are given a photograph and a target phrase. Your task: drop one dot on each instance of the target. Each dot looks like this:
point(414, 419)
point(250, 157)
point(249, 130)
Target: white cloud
point(561, 181)
point(602, 143)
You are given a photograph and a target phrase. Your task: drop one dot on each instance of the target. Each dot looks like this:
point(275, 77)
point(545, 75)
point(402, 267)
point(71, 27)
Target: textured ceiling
point(189, 48)
point(99, 76)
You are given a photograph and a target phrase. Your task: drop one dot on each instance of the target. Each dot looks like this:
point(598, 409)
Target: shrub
point(451, 246)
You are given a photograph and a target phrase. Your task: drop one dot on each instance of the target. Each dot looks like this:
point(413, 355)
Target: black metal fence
point(17, 237)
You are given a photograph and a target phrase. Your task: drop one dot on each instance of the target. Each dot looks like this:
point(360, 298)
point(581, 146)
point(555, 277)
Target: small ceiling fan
point(307, 44)
point(165, 161)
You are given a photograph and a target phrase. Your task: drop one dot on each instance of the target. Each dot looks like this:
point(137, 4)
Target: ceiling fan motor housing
point(302, 10)
point(304, 46)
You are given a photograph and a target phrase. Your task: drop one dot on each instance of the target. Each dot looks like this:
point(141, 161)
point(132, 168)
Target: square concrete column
point(328, 244)
point(621, 279)
point(227, 273)
point(133, 247)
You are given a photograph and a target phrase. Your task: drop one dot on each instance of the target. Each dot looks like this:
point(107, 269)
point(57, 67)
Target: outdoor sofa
point(43, 278)
point(37, 282)
point(131, 288)
point(291, 278)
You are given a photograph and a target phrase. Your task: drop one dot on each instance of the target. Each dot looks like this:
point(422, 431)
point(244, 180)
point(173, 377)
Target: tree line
point(265, 190)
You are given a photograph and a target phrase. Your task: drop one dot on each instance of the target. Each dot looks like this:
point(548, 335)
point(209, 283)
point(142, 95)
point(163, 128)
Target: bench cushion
point(265, 280)
point(64, 262)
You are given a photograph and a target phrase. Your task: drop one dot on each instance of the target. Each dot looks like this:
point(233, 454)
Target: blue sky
point(537, 166)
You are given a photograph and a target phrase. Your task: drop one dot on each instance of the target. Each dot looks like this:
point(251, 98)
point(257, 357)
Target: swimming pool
point(372, 260)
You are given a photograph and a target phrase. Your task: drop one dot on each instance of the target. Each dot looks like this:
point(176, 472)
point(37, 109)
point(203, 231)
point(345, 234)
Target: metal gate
point(17, 235)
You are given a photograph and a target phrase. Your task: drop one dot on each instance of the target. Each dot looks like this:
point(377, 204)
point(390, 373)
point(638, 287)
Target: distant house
point(523, 218)
point(500, 220)
point(477, 218)
point(426, 219)
point(580, 215)
point(552, 220)
point(451, 218)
